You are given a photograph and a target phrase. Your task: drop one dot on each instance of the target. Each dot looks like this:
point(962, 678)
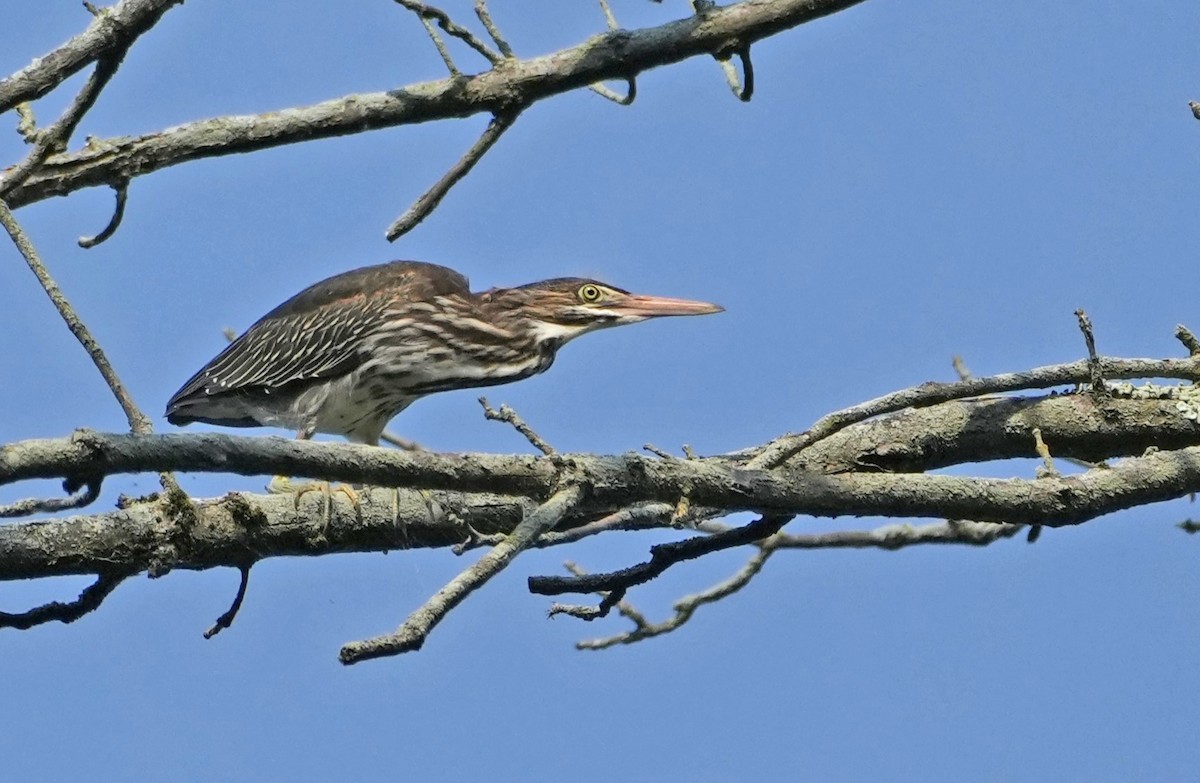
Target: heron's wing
point(316, 334)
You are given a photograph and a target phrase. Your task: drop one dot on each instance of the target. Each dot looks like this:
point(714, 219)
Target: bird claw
point(282, 485)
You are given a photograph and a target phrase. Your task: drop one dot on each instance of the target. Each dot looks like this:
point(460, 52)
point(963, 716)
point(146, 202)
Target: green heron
point(347, 354)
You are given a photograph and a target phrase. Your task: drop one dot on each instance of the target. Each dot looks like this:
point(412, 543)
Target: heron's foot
point(282, 485)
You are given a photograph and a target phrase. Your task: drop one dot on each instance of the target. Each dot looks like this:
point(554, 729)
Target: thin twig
point(440, 45)
point(646, 516)
point(401, 443)
point(662, 557)
point(609, 19)
point(427, 12)
point(1185, 336)
point(121, 189)
point(412, 634)
point(960, 368)
point(1089, 338)
point(890, 537)
point(1043, 451)
point(226, 619)
point(481, 10)
point(605, 91)
point(684, 607)
point(88, 601)
point(58, 135)
point(429, 201)
point(26, 123)
point(23, 508)
point(743, 89)
point(139, 424)
point(624, 608)
point(656, 451)
point(509, 416)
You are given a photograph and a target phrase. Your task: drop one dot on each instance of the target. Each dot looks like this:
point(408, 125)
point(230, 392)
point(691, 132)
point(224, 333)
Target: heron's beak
point(640, 306)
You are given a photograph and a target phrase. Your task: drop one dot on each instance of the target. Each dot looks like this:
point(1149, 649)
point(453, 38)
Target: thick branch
point(619, 481)
point(618, 54)
point(238, 529)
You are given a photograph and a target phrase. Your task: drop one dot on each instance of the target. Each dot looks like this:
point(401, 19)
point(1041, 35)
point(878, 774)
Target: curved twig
point(121, 189)
point(23, 508)
point(605, 91)
point(226, 619)
point(55, 611)
point(662, 557)
point(743, 89)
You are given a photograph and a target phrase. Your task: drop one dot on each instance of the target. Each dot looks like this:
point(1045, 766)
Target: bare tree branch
point(619, 54)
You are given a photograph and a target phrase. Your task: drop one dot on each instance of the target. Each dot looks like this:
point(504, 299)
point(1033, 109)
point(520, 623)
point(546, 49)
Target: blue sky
point(911, 181)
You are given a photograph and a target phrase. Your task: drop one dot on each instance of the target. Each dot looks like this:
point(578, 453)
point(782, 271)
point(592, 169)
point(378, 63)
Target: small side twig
point(23, 508)
point(427, 12)
point(226, 619)
point(743, 88)
point(55, 611)
point(646, 516)
point(429, 200)
point(960, 368)
point(605, 91)
point(509, 416)
point(656, 451)
point(1047, 470)
point(609, 19)
point(1089, 338)
point(662, 557)
point(121, 189)
point(401, 443)
point(26, 122)
point(481, 10)
point(684, 607)
point(1185, 336)
point(412, 634)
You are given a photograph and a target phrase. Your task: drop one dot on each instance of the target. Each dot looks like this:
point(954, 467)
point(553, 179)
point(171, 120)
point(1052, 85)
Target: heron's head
point(566, 307)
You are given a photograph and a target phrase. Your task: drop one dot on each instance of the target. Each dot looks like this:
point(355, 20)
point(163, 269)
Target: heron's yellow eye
point(589, 293)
